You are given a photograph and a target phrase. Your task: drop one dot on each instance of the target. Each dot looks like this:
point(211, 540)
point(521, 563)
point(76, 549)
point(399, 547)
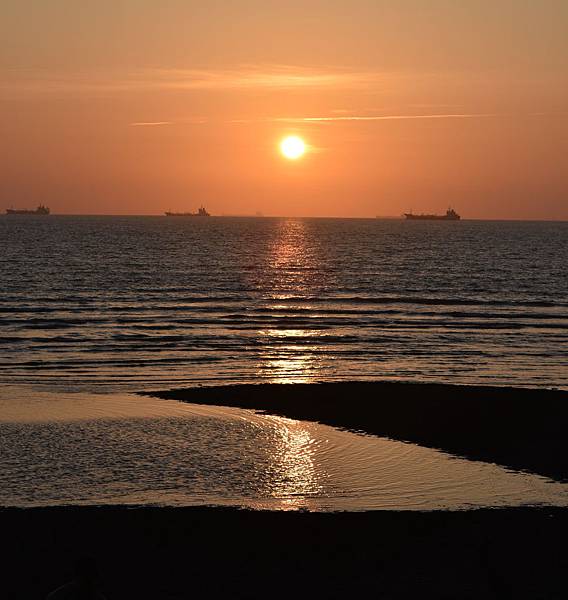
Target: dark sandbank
point(171, 553)
point(524, 429)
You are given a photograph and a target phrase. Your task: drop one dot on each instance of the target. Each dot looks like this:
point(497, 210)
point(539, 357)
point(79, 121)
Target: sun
point(293, 147)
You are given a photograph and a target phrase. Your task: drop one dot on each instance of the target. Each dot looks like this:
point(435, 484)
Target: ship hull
point(169, 214)
point(13, 211)
point(411, 217)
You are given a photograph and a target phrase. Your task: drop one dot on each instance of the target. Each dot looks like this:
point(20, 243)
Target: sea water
point(130, 303)
point(93, 309)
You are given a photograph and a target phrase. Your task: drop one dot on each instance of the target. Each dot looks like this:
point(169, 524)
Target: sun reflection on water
point(288, 362)
point(292, 263)
point(297, 477)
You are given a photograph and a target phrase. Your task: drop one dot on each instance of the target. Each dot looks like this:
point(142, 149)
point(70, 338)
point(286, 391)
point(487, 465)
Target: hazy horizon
point(291, 216)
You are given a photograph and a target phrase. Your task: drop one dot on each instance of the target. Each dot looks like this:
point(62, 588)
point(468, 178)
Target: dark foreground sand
point(524, 429)
point(164, 553)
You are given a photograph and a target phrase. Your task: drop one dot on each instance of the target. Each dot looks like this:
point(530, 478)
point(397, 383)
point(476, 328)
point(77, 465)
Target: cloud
point(151, 123)
point(326, 119)
point(255, 77)
point(355, 118)
point(247, 77)
point(383, 117)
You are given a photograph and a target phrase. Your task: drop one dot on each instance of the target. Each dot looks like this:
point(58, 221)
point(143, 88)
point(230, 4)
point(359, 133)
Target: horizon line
point(252, 216)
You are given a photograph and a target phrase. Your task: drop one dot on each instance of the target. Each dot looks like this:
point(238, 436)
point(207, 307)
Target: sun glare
point(293, 147)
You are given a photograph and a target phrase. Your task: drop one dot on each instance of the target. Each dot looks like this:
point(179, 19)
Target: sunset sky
point(139, 106)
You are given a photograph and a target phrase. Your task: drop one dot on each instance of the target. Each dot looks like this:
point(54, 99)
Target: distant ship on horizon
point(451, 215)
point(40, 210)
point(200, 213)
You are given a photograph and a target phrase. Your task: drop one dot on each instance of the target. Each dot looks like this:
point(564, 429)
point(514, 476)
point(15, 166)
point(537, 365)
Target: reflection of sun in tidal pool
point(293, 147)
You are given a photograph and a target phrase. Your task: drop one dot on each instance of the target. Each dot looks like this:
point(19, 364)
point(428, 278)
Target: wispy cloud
point(355, 118)
point(383, 117)
point(253, 77)
point(324, 119)
point(247, 77)
point(344, 118)
point(151, 123)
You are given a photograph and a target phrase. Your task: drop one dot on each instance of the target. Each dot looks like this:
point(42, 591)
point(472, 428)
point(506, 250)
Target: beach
point(149, 553)
point(205, 551)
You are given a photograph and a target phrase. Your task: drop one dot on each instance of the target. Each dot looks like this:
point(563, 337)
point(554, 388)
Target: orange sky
point(135, 106)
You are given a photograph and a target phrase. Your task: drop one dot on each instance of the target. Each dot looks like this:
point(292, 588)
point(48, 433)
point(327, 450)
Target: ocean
point(95, 309)
point(131, 303)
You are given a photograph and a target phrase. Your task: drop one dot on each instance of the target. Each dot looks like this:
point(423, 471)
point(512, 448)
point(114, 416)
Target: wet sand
point(147, 553)
point(523, 429)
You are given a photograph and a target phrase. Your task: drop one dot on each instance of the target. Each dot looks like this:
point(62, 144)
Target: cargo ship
point(451, 215)
point(40, 210)
point(200, 213)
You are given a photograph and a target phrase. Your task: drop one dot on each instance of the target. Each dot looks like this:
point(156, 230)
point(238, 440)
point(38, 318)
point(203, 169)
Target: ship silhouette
point(200, 213)
point(451, 215)
point(40, 210)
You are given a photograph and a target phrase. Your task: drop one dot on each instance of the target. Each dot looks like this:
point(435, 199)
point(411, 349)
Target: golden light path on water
point(290, 265)
point(291, 262)
point(293, 364)
point(126, 449)
point(299, 476)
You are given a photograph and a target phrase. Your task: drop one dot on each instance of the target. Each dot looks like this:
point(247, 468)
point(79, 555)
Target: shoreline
point(173, 553)
point(518, 428)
